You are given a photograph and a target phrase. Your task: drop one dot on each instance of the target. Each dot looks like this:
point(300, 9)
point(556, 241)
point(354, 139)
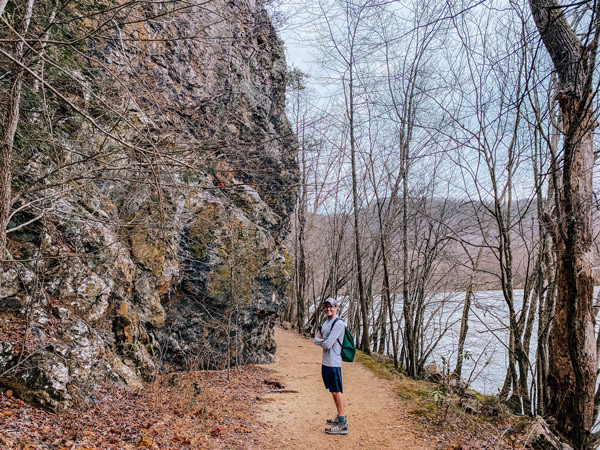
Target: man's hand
point(319, 339)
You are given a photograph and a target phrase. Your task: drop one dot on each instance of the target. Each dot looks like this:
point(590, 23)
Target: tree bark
point(386, 295)
point(464, 322)
point(301, 226)
point(572, 367)
point(407, 308)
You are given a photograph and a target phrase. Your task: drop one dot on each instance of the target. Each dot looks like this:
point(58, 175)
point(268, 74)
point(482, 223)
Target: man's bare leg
point(338, 398)
point(341, 427)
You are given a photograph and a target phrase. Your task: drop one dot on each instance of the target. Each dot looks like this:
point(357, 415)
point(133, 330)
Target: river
point(487, 339)
point(486, 360)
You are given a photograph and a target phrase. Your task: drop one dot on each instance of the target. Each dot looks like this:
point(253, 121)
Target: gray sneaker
point(337, 429)
point(333, 421)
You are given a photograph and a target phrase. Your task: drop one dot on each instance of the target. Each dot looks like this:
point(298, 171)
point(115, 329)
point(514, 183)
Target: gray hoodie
point(332, 349)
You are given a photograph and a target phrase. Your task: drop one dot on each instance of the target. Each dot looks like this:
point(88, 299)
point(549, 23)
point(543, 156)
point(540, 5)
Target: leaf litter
point(186, 410)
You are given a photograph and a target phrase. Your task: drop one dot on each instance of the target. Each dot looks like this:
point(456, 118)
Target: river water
point(487, 338)
point(486, 361)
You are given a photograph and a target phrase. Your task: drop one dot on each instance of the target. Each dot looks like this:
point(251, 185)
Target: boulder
point(470, 405)
point(542, 438)
point(457, 385)
point(433, 373)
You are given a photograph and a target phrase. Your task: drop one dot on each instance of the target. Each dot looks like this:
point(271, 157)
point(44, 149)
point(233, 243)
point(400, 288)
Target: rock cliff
point(154, 175)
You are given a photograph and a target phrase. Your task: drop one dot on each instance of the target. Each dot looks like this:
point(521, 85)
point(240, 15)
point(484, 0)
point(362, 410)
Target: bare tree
point(491, 128)
point(344, 37)
point(296, 87)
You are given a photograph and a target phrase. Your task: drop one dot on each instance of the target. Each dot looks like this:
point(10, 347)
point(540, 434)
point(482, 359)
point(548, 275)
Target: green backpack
point(348, 346)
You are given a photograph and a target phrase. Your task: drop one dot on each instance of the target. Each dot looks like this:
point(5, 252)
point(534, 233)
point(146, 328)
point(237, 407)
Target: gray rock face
point(163, 249)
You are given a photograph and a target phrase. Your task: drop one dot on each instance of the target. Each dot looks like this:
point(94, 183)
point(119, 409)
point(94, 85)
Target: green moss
point(203, 230)
point(241, 270)
point(289, 263)
point(416, 394)
point(126, 348)
point(379, 368)
point(483, 398)
point(419, 412)
point(199, 251)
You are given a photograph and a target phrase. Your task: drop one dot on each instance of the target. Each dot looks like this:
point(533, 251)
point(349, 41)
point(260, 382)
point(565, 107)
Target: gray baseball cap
point(331, 301)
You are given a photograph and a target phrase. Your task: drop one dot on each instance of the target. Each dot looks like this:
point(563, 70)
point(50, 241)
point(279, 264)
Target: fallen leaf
point(147, 442)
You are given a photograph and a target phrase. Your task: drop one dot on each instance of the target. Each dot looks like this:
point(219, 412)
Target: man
point(331, 367)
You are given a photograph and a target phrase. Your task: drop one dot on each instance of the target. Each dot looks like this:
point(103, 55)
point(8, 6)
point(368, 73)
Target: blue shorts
point(332, 377)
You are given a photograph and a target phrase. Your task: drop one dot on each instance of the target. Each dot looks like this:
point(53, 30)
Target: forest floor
point(272, 407)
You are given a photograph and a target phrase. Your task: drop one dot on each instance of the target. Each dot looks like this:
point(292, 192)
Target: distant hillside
point(462, 226)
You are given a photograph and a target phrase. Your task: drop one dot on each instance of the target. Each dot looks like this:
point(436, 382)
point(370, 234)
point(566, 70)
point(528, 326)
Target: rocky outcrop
point(542, 438)
point(147, 235)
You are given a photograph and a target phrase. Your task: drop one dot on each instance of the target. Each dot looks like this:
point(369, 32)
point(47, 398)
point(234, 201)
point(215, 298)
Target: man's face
point(330, 310)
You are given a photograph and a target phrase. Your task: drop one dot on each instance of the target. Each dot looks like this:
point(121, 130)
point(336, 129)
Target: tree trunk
point(300, 235)
point(464, 322)
point(572, 368)
point(407, 308)
point(544, 288)
point(11, 121)
point(364, 346)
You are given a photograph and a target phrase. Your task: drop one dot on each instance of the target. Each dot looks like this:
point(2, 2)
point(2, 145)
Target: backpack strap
point(333, 325)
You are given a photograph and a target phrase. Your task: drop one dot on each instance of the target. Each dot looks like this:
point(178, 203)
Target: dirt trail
point(295, 418)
